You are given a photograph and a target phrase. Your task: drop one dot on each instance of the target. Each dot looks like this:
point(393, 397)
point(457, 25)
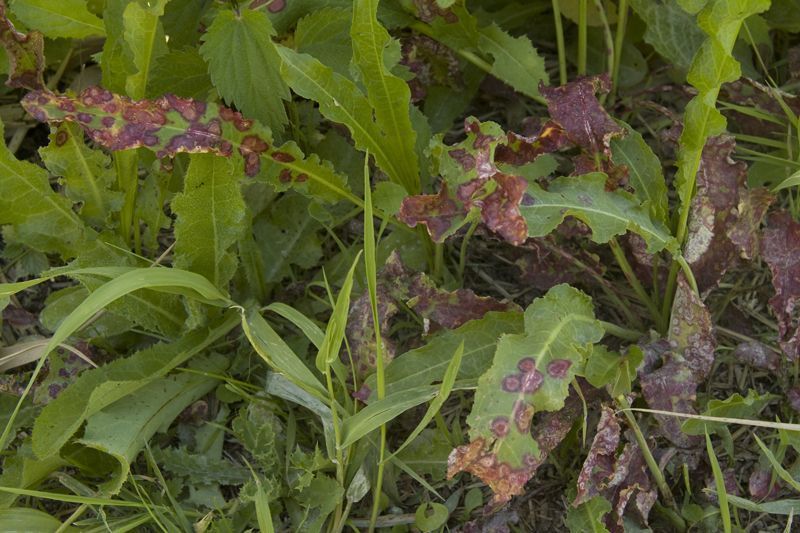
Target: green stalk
point(372, 277)
point(562, 54)
point(610, 49)
point(620, 332)
point(462, 256)
point(634, 282)
point(582, 28)
point(622, 22)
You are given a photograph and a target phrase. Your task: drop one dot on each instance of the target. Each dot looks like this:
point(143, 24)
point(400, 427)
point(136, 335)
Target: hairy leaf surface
point(61, 19)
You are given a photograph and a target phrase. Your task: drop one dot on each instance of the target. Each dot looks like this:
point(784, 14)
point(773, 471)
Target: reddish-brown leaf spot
point(782, 254)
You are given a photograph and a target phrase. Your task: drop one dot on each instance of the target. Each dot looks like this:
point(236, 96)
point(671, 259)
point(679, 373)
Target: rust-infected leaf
point(170, 124)
point(575, 107)
point(548, 261)
point(745, 233)
point(440, 213)
point(708, 249)
point(782, 253)
point(519, 149)
point(672, 388)
point(619, 478)
point(691, 331)
point(757, 355)
point(396, 285)
point(25, 54)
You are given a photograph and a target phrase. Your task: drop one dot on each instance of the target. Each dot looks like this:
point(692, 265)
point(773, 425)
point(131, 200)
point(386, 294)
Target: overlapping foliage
point(279, 264)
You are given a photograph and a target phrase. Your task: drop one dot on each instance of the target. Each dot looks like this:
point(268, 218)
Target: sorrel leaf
point(531, 372)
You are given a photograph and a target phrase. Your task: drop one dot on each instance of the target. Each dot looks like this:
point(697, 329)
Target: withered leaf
point(575, 107)
point(25, 54)
point(745, 233)
point(782, 253)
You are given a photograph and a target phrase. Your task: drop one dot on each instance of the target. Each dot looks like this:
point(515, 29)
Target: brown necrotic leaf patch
point(781, 251)
point(25, 54)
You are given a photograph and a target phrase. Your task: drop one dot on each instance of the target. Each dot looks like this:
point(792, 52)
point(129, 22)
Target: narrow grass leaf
point(719, 482)
point(305, 324)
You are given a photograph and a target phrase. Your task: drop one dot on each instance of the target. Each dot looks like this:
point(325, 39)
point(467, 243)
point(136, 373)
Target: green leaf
point(34, 215)
point(670, 30)
point(95, 389)
point(589, 516)
point(210, 219)
point(644, 171)
point(244, 65)
point(115, 61)
point(287, 235)
point(375, 53)
point(87, 174)
point(325, 34)
point(712, 66)
point(606, 368)
point(181, 72)
point(428, 364)
point(122, 429)
point(531, 372)
point(607, 213)
point(341, 101)
point(431, 516)
point(516, 61)
point(145, 37)
point(334, 332)
point(32, 521)
point(65, 18)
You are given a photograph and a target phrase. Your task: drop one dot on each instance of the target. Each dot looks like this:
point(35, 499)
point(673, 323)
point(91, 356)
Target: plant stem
point(582, 28)
point(462, 256)
point(627, 270)
point(655, 471)
point(610, 49)
point(562, 54)
point(622, 333)
point(622, 22)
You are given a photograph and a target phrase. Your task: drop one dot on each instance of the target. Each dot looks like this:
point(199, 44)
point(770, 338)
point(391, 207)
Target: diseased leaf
point(670, 30)
point(25, 54)
point(607, 213)
point(62, 19)
point(575, 107)
point(530, 372)
point(673, 386)
point(757, 355)
point(516, 61)
point(781, 253)
point(374, 54)
point(708, 250)
point(615, 477)
point(169, 125)
point(86, 174)
point(210, 215)
point(244, 65)
point(397, 286)
point(745, 232)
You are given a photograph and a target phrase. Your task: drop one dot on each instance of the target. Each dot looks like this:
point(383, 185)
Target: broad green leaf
point(644, 172)
point(182, 22)
point(607, 213)
point(146, 41)
point(712, 66)
point(341, 101)
point(170, 125)
point(115, 62)
point(670, 30)
point(428, 364)
point(589, 516)
point(180, 72)
point(244, 65)
point(531, 372)
point(95, 389)
point(516, 61)
point(34, 215)
point(87, 174)
point(24, 470)
point(618, 372)
point(63, 18)
point(325, 34)
point(431, 516)
point(375, 53)
point(210, 216)
point(122, 429)
point(287, 235)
